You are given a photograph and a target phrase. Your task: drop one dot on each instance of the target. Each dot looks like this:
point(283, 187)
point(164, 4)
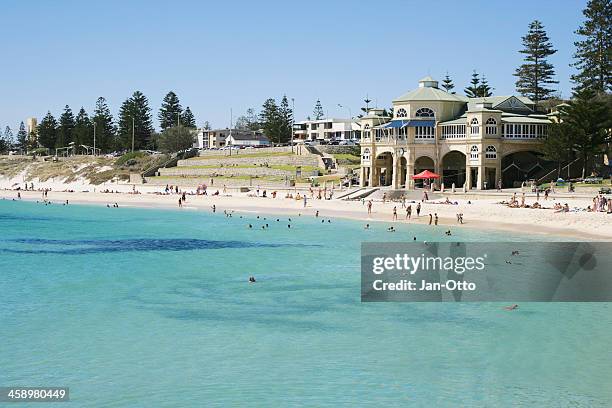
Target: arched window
point(424, 113)
point(490, 152)
point(474, 127)
point(491, 127)
point(366, 155)
point(474, 152)
point(401, 113)
point(366, 131)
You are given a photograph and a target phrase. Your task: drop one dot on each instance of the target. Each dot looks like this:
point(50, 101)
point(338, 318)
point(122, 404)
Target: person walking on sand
point(369, 207)
point(180, 201)
point(418, 208)
point(395, 213)
point(408, 212)
point(384, 197)
point(305, 200)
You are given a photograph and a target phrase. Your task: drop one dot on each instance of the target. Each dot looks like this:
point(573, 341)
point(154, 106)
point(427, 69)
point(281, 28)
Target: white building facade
point(327, 129)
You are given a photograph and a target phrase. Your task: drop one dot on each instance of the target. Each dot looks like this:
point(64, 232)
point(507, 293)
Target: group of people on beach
point(600, 204)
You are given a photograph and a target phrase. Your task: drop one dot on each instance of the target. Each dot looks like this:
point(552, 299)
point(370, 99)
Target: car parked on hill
point(347, 142)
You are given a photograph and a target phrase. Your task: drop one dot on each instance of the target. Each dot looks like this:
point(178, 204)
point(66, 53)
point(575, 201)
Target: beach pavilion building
point(468, 141)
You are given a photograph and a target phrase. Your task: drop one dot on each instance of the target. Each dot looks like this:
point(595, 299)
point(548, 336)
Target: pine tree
point(269, 119)
point(135, 111)
point(47, 131)
point(318, 111)
point(473, 91)
point(22, 137)
point(66, 127)
point(5, 140)
point(589, 119)
point(187, 119)
point(252, 120)
point(8, 137)
point(557, 146)
point(478, 88)
point(83, 129)
point(536, 73)
point(447, 84)
point(484, 90)
point(286, 120)
point(170, 111)
point(241, 123)
point(104, 126)
point(594, 51)
point(176, 138)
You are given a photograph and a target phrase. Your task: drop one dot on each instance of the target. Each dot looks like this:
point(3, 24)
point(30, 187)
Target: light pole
point(230, 134)
point(350, 118)
point(94, 146)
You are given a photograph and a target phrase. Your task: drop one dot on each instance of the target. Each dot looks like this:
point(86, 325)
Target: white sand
point(483, 213)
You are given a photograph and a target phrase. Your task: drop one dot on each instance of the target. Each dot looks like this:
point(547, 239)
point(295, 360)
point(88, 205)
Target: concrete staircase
point(270, 166)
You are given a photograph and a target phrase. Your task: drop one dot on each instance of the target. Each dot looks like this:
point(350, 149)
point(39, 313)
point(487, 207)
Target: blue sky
point(226, 55)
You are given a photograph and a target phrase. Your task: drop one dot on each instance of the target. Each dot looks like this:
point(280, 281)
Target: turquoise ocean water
point(151, 308)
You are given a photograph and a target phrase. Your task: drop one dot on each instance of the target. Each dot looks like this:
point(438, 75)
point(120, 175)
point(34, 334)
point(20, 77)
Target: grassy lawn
point(347, 159)
point(251, 166)
point(241, 155)
point(207, 178)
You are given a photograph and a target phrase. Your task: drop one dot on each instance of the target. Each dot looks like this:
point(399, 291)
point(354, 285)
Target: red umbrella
point(426, 174)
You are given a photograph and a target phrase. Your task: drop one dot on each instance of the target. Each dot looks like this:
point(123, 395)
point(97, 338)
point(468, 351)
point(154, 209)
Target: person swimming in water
point(252, 279)
point(513, 307)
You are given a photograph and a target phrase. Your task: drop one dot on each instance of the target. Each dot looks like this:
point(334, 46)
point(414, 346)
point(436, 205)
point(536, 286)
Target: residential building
point(217, 138)
point(242, 138)
point(327, 129)
point(471, 142)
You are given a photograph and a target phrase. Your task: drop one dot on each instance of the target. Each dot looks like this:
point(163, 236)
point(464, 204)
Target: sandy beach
point(482, 211)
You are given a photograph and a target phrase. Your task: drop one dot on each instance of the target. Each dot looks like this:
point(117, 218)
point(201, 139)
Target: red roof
point(426, 174)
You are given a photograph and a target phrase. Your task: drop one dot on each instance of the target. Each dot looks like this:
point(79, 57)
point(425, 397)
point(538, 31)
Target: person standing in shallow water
point(430, 219)
point(369, 207)
point(418, 208)
point(394, 213)
point(436, 218)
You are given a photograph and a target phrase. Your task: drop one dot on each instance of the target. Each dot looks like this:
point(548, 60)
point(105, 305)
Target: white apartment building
point(327, 129)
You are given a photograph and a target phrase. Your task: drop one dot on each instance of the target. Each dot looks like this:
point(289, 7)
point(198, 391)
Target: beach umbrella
point(425, 174)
